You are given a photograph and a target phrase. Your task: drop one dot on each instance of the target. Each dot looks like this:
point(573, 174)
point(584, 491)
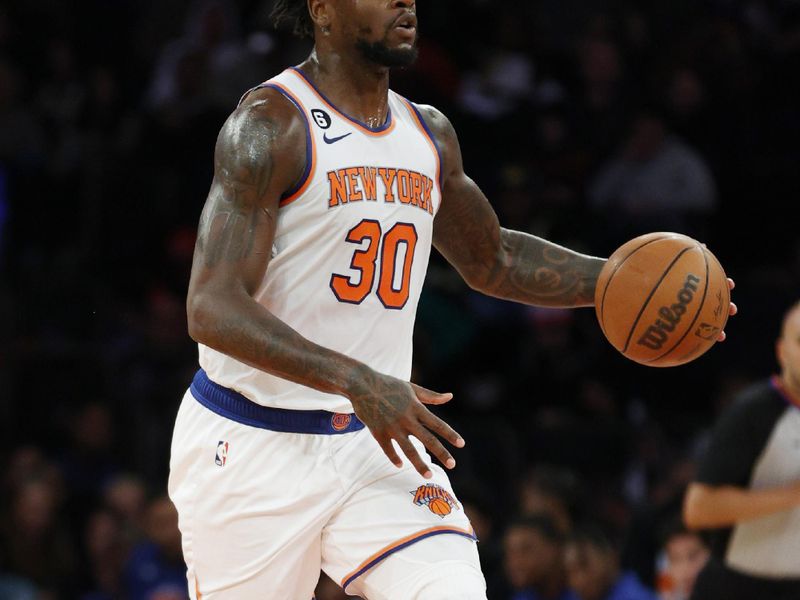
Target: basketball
point(662, 299)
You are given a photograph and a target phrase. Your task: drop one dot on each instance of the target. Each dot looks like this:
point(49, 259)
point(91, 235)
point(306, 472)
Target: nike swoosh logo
point(335, 139)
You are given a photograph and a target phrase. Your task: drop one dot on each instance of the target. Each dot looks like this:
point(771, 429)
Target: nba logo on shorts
point(222, 454)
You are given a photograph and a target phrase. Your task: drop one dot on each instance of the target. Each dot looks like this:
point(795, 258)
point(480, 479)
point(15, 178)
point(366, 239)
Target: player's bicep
point(466, 230)
point(253, 166)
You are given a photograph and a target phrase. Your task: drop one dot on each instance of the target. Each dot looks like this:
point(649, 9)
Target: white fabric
point(261, 523)
point(422, 573)
point(311, 247)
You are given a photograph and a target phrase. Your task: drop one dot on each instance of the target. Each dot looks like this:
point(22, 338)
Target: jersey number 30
point(365, 261)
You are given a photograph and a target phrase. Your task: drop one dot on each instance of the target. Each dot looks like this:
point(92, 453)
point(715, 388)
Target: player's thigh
point(392, 512)
point(436, 568)
point(251, 506)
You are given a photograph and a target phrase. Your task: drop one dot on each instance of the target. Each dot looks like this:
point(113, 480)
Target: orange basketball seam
point(697, 314)
point(652, 293)
point(614, 272)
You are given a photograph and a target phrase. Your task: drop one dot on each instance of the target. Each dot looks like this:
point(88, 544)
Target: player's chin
point(401, 53)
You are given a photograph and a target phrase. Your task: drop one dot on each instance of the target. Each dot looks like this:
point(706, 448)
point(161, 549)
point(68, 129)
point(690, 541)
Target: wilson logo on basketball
point(340, 421)
point(438, 500)
point(658, 333)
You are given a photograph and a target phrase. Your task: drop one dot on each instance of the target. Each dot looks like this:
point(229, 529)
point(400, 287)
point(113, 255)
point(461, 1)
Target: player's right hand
point(394, 410)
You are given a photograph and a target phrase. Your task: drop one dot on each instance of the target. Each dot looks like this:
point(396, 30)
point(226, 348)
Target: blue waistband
point(232, 405)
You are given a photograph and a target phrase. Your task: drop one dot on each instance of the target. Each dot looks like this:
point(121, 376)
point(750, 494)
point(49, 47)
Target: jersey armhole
point(428, 135)
point(298, 188)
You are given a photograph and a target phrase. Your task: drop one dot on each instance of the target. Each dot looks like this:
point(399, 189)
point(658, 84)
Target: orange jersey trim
point(399, 545)
point(385, 129)
point(426, 132)
point(311, 149)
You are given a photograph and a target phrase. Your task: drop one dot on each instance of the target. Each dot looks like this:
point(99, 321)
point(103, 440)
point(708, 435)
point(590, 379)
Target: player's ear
point(321, 12)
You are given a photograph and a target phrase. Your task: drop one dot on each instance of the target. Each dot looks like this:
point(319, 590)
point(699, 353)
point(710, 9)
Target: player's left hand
point(732, 310)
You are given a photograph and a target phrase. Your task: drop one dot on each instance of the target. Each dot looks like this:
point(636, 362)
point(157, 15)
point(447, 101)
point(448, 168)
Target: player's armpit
point(500, 262)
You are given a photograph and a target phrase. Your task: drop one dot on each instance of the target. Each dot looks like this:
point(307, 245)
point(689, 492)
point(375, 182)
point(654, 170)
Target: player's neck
point(356, 87)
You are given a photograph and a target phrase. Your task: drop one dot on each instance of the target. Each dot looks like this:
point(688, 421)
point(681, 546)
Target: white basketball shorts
point(262, 511)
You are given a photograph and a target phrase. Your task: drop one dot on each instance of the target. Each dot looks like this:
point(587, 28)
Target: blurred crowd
point(584, 122)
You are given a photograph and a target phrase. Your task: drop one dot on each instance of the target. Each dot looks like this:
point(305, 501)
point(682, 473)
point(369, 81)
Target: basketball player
point(329, 190)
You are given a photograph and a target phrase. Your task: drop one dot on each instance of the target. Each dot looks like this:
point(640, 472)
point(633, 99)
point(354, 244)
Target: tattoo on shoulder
point(243, 170)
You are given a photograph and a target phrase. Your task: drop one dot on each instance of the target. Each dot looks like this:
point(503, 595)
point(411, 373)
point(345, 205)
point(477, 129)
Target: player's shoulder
point(443, 132)
point(266, 104)
point(268, 119)
point(436, 120)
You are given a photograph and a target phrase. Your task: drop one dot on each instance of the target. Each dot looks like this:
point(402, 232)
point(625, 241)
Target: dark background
point(108, 115)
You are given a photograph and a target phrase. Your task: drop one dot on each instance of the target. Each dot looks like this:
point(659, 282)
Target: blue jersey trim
point(434, 140)
point(383, 127)
point(309, 158)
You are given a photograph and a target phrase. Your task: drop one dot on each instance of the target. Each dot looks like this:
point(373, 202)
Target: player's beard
point(379, 53)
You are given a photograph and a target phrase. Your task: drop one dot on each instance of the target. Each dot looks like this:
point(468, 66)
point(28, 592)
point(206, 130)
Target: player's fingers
point(442, 429)
point(388, 449)
point(731, 283)
point(427, 396)
point(434, 446)
point(733, 309)
point(408, 449)
point(722, 336)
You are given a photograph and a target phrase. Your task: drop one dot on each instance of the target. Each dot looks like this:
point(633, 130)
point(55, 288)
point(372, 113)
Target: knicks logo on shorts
point(222, 454)
point(438, 500)
point(340, 421)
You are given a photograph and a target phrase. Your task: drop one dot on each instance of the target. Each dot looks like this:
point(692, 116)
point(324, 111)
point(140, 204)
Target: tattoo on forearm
point(536, 271)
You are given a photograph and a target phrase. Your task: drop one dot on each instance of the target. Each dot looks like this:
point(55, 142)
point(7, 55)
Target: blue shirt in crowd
point(530, 594)
point(628, 587)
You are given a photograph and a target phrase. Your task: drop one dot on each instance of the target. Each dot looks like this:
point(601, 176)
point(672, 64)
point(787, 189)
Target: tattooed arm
point(497, 261)
point(259, 154)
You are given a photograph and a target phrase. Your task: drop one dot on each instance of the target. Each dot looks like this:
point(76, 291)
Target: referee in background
point(747, 490)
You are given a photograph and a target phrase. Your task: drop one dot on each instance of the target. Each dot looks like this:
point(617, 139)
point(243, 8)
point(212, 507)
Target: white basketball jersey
point(351, 246)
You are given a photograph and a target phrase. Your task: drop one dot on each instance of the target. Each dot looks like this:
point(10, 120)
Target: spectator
point(155, 569)
point(533, 560)
point(34, 542)
point(684, 554)
point(554, 491)
point(655, 182)
point(592, 564)
point(105, 549)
